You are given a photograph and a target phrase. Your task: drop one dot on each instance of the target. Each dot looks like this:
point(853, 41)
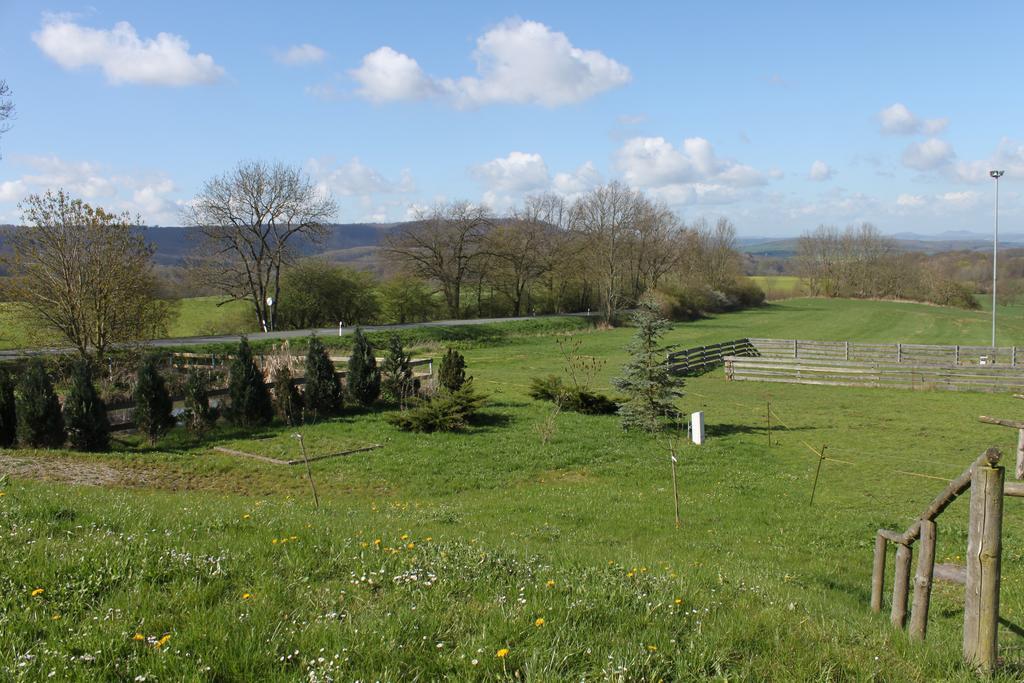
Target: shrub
point(85, 414)
point(444, 412)
point(552, 388)
point(322, 393)
point(317, 293)
point(199, 417)
point(153, 405)
point(952, 293)
point(40, 423)
point(452, 373)
point(287, 400)
point(397, 381)
point(247, 390)
point(646, 378)
point(363, 379)
point(8, 411)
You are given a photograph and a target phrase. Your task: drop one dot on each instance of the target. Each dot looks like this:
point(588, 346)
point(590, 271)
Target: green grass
point(202, 315)
point(506, 530)
point(779, 286)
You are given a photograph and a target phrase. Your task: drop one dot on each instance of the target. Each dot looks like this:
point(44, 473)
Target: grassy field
point(779, 286)
point(493, 555)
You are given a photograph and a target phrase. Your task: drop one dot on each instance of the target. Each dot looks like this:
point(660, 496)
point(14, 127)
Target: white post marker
point(697, 427)
point(341, 326)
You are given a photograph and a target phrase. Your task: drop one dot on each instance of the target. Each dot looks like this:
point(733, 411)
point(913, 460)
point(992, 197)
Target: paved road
point(288, 334)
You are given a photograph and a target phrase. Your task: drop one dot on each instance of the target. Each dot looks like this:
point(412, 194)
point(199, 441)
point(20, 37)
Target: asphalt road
point(287, 334)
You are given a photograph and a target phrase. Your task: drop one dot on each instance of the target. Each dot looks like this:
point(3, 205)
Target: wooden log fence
point(829, 372)
point(980, 575)
point(898, 352)
point(700, 359)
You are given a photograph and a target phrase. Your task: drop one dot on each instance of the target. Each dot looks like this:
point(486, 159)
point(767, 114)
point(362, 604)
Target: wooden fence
point(119, 412)
point(187, 361)
point(990, 378)
point(980, 576)
point(699, 359)
point(912, 354)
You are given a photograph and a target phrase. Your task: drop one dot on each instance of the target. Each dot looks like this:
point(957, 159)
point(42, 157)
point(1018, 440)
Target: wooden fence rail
point(981, 575)
point(699, 359)
point(912, 354)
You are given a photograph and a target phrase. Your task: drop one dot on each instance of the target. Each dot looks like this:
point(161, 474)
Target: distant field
point(202, 316)
point(779, 286)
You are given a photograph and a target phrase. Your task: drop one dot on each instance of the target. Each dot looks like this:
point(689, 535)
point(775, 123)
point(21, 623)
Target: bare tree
point(251, 219)
point(441, 245)
point(83, 273)
point(6, 107)
point(655, 245)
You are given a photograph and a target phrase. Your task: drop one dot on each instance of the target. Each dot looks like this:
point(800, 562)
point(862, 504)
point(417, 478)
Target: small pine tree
point(199, 416)
point(287, 400)
point(247, 390)
point(322, 393)
point(397, 381)
point(452, 373)
point(85, 414)
point(646, 378)
point(8, 411)
point(363, 377)
point(153, 405)
point(40, 423)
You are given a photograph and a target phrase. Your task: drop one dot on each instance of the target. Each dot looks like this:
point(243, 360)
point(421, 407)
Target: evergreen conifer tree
point(363, 377)
point(397, 381)
point(40, 423)
point(287, 400)
point(322, 392)
point(452, 373)
point(247, 390)
point(153, 405)
point(8, 411)
point(646, 379)
point(85, 414)
point(199, 416)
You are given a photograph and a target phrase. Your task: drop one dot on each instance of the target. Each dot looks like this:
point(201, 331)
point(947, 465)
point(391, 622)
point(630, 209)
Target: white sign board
point(697, 428)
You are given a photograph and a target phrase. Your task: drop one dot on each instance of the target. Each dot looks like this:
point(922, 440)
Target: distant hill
point(785, 247)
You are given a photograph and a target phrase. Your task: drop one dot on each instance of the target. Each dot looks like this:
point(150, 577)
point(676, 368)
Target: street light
point(995, 253)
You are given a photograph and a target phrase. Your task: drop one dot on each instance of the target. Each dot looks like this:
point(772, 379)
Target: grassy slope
point(769, 587)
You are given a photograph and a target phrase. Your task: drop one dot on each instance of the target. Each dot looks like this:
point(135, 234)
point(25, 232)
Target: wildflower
point(410, 545)
point(429, 538)
point(246, 516)
point(163, 641)
point(652, 648)
point(679, 601)
point(405, 537)
point(293, 538)
point(502, 653)
point(539, 621)
point(551, 583)
point(246, 596)
point(37, 592)
point(55, 617)
point(475, 662)
point(138, 636)
point(274, 541)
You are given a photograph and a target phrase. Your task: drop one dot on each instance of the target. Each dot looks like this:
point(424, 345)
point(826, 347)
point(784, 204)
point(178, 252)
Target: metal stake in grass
point(309, 471)
point(768, 416)
point(821, 458)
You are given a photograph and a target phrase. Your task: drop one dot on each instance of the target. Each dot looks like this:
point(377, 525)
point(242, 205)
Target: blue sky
point(781, 117)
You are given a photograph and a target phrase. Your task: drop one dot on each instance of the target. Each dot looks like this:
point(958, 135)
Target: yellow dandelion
point(429, 538)
point(364, 544)
point(405, 537)
point(679, 601)
point(539, 621)
point(55, 617)
point(162, 641)
point(3, 493)
point(410, 545)
point(246, 596)
point(551, 583)
point(376, 542)
point(37, 592)
point(274, 541)
point(502, 653)
point(246, 516)
point(630, 574)
point(138, 636)
point(652, 648)
point(293, 538)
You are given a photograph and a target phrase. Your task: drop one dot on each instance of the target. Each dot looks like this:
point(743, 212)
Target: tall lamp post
point(995, 253)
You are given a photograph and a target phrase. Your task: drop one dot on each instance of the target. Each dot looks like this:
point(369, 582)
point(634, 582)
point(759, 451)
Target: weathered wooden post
point(878, 572)
point(923, 581)
point(984, 557)
point(899, 352)
point(900, 586)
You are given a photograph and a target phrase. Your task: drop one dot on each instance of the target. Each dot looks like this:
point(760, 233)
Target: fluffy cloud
point(522, 62)
point(123, 56)
point(572, 185)
point(928, 155)
point(820, 171)
point(356, 179)
point(297, 55)
point(1009, 157)
point(151, 195)
point(686, 174)
point(518, 172)
point(910, 201)
point(898, 120)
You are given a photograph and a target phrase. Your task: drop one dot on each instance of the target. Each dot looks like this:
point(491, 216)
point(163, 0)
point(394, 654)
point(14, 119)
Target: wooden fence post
point(900, 586)
point(847, 344)
point(796, 351)
point(899, 352)
point(878, 573)
point(956, 355)
point(984, 556)
point(923, 581)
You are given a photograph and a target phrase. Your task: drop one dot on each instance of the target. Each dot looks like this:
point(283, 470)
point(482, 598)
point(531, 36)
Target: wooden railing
point(981, 575)
point(912, 354)
point(699, 359)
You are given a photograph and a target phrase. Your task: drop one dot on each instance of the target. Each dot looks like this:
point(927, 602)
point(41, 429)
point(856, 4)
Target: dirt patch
point(69, 471)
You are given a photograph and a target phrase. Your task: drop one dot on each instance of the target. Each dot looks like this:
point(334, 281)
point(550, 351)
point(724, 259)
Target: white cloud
point(518, 172)
point(820, 171)
point(911, 201)
point(298, 55)
point(356, 179)
point(928, 155)
point(522, 62)
point(1008, 157)
point(123, 56)
point(960, 200)
point(897, 119)
point(389, 76)
point(572, 185)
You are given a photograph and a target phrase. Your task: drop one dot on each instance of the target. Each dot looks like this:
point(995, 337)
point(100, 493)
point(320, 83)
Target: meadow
point(499, 554)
